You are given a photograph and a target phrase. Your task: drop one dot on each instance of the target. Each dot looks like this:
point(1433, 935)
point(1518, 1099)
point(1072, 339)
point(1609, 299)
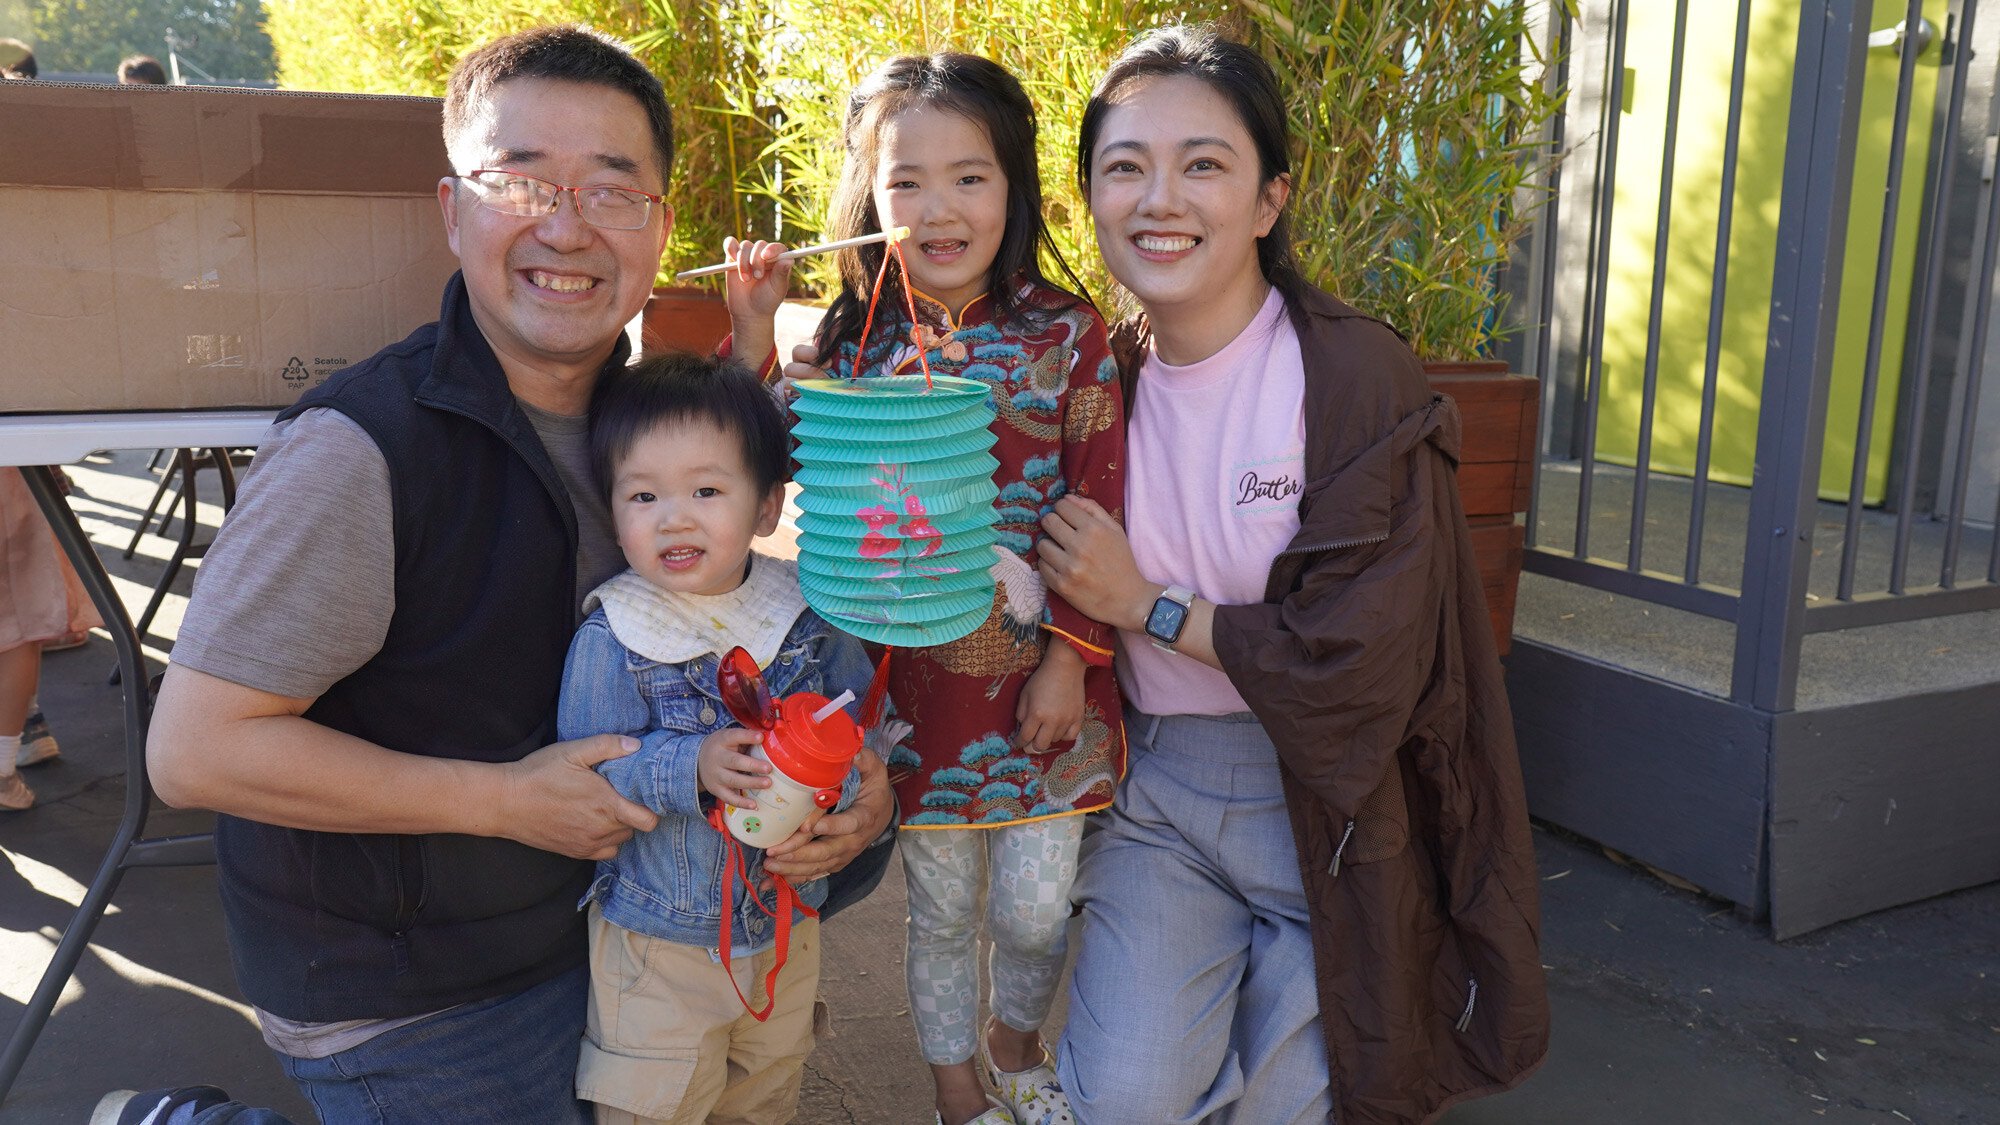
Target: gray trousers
point(1193, 997)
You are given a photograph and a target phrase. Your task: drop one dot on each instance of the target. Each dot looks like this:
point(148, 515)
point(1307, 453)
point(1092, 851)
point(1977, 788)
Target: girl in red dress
point(1017, 727)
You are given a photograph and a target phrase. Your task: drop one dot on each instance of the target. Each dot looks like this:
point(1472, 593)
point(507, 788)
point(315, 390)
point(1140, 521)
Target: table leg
point(138, 792)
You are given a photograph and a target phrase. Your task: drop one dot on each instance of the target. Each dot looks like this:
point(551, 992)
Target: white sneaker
point(1034, 1096)
point(997, 1115)
point(15, 794)
point(38, 745)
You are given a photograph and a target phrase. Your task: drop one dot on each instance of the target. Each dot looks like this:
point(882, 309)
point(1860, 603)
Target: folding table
point(35, 442)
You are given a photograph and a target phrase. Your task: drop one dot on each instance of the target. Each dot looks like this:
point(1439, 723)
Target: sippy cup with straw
point(808, 739)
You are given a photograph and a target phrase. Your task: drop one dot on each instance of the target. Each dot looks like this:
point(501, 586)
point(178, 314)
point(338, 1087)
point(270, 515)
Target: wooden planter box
point(1500, 412)
point(683, 318)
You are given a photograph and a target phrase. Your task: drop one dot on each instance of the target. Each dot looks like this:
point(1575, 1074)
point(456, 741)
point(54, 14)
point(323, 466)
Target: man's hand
point(1051, 706)
point(727, 771)
point(553, 800)
point(831, 843)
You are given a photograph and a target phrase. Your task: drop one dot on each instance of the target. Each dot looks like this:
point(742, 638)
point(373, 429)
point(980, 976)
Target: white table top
point(57, 439)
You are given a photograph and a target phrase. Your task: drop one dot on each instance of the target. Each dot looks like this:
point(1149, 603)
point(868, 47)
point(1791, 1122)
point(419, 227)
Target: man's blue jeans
point(503, 1061)
point(510, 1059)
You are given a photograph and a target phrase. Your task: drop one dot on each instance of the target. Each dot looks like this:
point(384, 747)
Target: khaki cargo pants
point(667, 1040)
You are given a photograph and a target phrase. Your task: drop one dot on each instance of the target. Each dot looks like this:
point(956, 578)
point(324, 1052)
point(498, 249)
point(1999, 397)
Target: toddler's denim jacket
point(667, 883)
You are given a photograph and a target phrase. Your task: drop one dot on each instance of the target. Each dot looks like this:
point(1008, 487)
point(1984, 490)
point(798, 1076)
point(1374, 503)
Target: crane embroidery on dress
point(1010, 639)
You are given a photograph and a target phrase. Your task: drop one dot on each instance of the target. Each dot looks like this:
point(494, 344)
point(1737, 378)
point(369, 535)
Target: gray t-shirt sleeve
point(298, 588)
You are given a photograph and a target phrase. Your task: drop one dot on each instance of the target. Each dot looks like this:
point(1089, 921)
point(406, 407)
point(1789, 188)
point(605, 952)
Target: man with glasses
point(365, 682)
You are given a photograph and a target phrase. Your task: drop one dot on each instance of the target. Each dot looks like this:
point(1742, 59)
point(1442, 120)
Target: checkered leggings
point(1027, 870)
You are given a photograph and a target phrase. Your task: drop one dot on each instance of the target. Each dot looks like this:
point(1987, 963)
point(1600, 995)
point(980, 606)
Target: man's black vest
point(336, 926)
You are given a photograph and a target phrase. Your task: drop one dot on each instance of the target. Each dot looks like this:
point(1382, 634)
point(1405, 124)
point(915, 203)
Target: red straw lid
point(815, 754)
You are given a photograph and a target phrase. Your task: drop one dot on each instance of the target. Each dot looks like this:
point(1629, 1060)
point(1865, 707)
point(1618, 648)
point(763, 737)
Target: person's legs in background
point(38, 742)
point(20, 668)
point(41, 598)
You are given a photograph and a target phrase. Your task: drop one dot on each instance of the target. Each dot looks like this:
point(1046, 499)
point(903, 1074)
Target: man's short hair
point(17, 60)
point(142, 70)
point(568, 53)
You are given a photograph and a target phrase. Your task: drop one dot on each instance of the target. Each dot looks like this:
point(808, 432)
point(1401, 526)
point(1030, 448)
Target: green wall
point(1752, 246)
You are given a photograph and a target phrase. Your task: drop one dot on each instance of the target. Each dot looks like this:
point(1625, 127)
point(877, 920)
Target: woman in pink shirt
point(1322, 794)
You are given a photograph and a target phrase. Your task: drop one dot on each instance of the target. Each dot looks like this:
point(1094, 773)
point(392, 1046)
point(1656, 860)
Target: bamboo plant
point(704, 51)
point(1418, 128)
point(1417, 123)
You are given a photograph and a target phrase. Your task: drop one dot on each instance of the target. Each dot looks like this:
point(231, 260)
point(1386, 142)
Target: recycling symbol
point(295, 371)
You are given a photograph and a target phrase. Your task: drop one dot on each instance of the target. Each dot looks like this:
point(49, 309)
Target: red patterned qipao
point(1060, 429)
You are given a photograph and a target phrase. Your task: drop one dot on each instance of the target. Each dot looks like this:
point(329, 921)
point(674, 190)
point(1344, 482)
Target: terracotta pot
point(683, 318)
point(1499, 411)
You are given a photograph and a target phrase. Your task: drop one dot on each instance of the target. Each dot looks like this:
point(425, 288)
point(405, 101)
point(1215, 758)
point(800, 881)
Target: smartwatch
point(1168, 617)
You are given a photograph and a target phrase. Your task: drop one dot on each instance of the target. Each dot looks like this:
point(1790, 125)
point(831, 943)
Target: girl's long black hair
point(983, 92)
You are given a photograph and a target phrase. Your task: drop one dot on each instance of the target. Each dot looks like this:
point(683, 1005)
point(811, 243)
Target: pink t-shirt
point(1215, 463)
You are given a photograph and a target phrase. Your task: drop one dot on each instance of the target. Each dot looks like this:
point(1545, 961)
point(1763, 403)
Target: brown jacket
point(1371, 664)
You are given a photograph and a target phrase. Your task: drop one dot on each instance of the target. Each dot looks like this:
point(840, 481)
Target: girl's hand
point(802, 365)
point(758, 284)
point(1051, 706)
point(1086, 559)
point(727, 772)
point(753, 291)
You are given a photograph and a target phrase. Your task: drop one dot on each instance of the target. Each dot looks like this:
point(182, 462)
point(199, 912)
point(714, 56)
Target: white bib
point(675, 628)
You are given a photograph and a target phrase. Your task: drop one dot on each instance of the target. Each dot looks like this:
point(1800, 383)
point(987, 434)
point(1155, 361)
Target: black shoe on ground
point(153, 1107)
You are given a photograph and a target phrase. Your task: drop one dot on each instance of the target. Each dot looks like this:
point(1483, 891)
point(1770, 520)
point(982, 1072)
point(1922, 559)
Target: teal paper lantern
point(896, 494)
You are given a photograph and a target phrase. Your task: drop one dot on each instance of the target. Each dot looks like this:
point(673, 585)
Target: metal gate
point(1924, 551)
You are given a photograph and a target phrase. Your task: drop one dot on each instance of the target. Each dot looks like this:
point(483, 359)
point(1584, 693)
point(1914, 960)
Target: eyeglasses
point(601, 205)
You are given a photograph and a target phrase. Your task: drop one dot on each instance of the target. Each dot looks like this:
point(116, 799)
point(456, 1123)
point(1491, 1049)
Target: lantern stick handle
point(893, 234)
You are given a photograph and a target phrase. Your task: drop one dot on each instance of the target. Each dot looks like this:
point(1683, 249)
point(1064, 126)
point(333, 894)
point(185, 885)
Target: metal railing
point(1770, 606)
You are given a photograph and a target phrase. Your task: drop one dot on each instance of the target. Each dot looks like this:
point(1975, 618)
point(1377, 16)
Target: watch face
point(1165, 620)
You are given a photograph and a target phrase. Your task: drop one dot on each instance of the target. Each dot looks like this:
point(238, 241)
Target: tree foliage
point(1416, 123)
point(696, 47)
point(226, 38)
point(1417, 126)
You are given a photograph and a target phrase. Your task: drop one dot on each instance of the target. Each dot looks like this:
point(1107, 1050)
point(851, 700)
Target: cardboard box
point(180, 247)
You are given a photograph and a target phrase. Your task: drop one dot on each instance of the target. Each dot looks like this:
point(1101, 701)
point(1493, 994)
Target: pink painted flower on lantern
point(918, 528)
point(875, 545)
